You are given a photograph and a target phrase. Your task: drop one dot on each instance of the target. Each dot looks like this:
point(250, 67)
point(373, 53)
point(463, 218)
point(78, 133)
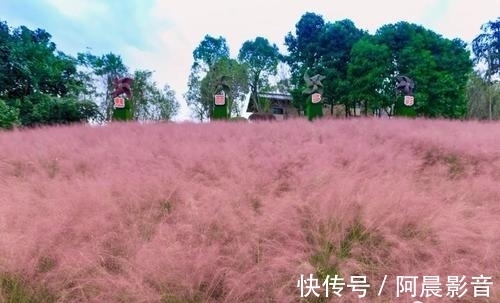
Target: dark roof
point(273, 97)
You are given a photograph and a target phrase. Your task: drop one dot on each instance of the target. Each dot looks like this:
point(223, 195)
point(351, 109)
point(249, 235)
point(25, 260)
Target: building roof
point(271, 96)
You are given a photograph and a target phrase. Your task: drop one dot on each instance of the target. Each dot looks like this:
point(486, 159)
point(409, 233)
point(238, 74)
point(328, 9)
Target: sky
point(160, 35)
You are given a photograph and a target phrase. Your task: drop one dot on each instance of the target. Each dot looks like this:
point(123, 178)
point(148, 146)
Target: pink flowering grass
point(237, 212)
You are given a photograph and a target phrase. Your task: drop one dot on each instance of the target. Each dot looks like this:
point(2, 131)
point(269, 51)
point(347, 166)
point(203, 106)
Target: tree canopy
point(324, 48)
point(261, 58)
point(486, 48)
point(211, 63)
point(37, 82)
point(41, 85)
point(361, 69)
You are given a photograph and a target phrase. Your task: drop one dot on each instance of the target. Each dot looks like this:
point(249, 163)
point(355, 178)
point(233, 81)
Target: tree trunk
point(490, 104)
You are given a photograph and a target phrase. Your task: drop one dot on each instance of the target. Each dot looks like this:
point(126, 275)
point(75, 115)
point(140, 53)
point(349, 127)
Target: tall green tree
point(9, 116)
point(205, 56)
point(368, 72)
point(337, 42)
point(33, 64)
point(439, 67)
point(321, 47)
point(209, 51)
point(483, 98)
point(261, 58)
point(486, 48)
point(303, 48)
point(36, 77)
point(104, 69)
point(149, 101)
point(165, 105)
point(237, 80)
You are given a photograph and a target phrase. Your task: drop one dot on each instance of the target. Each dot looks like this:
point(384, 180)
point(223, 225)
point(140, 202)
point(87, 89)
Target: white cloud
point(78, 9)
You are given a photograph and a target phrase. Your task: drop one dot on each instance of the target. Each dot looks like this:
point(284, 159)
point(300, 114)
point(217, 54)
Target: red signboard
point(119, 102)
point(316, 98)
point(409, 100)
point(220, 99)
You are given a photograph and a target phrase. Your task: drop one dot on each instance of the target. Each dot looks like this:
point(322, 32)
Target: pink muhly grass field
point(237, 212)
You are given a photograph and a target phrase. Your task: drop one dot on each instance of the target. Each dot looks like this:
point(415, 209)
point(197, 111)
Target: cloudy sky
point(160, 35)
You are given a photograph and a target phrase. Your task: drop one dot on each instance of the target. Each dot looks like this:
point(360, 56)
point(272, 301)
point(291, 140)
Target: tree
point(103, 70)
point(439, 67)
point(36, 79)
point(482, 98)
point(336, 43)
point(9, 116)
point(143, 92)
point(368, 72)
point(200, 109)
point(303, 46)
point(237, 81)
point(323, 48)
point(165, 105)
point(262, 60)
point(210, 51)
point(33, 65)
point(486, 48)
point(150, 102)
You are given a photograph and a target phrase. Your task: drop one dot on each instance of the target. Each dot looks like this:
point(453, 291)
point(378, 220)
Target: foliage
point(369, 72)
point(200, 110)
point(313, 110)
point(31, 64)
point(87, 236)
point(486, 48)
point(483, 98)
point(209, 51)
point(9, 116)
point(262, 60)
point(237, 81)
point(324, 48)
point(360, 69)
point(220, 112)
point(39, 109)
point(439, 67)
point(149, 102)
point(38, 84)
point(337, 42)
point(125, 113)
point(206, 55)
point(101, 70)
point(15, 290)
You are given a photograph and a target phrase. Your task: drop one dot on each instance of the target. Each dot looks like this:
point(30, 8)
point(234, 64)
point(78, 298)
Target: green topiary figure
point(314, 91)
point(123, 113)
point(122, 107)
point(221, 107)
point(405, 85)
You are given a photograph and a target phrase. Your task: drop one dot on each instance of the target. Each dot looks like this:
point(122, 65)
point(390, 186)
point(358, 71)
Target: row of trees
point(41, 85)
point(257, 61)
point(360, 69)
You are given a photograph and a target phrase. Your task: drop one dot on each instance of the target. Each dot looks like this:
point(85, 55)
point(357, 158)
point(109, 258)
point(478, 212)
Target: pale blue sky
point(160, 35)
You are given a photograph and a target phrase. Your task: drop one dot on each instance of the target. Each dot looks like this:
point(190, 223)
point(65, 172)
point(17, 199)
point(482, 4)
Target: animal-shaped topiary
point(221, 89)
point(121, 86)
point(314, 92)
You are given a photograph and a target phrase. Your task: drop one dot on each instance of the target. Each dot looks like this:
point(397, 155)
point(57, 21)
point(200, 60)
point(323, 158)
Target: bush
point(9, 116)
